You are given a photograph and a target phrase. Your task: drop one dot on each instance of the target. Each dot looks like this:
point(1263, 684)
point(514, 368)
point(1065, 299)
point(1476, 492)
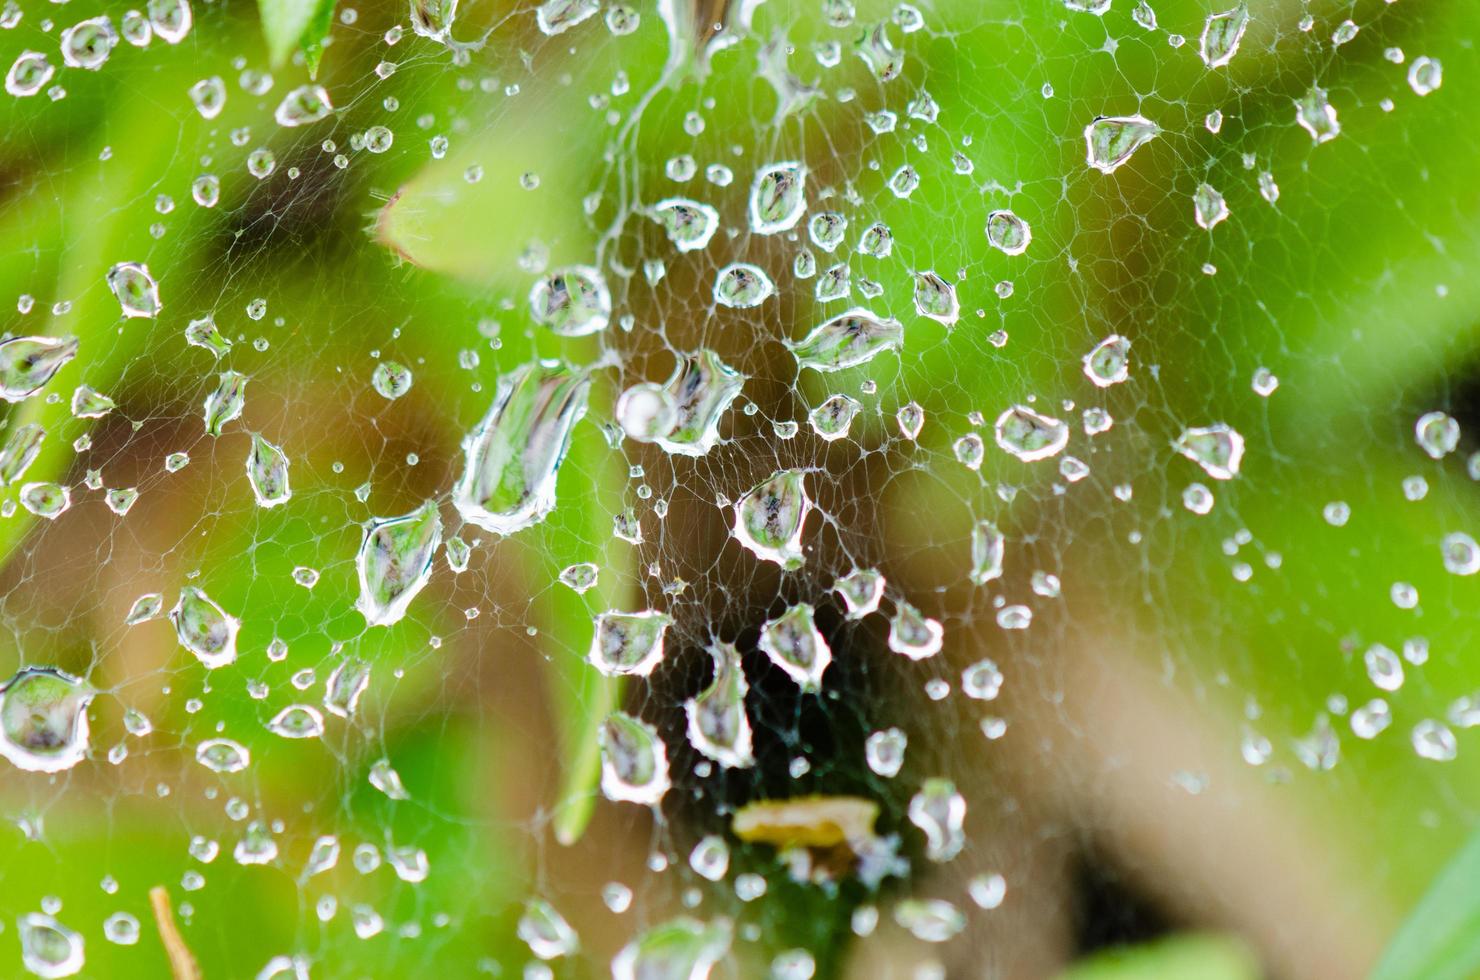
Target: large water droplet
point(204, 628)
point(1208, 206)
point(689, 224)
point(1425, 75)
point(681, 949)
point(940, 812)
point(223, 755)
point(433, 18)
point(1221, 36)
point(833, 418)
point(135, 288)
point(1317, 116)
point(572, 302)
point(628, 643)
point(1030, 435)
point(861, 590)
point(297, 721)
point(1109, 362)
point(778, 197)
point(267, 471)
point(209, 96)
point(558, 16)
point(394, 562)
point(43, 719)
point(884, 751)
point(19, 451)
point(546, 932)
point(87, 44)
point(634, 761)
point(48, 948)
point(225, 404)
point(1008, 233)
point(718, 726)
point(515, 452)
point(794, 644)
point(303, 105)
point(171, 19)
point(914, 634)
point(1110, 140)
point(46, 500)
point(28, 73)
point(1437, 434)
point(28, 363)
point(742, 286)
point(1217, 448)
point(935, 298)
point(987, 547)
point(847, 340)
point(769, 518)
point(345, 685)
point(1461, 553)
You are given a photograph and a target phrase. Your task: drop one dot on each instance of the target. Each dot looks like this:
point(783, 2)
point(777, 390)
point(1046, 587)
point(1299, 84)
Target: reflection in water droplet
point(940, 812)
point(267, 472)
point(43, 719)
point(1030, 435)
point(628, 643)
point(634, 761)
point(223, 755)
point(681, 949)
point(204, 628)
point(794, 644)
point(914, 634)
point(48, 948)
point(742, 286)
point(28, 363)
point(777, 197)
point(546, 932)
point(770, 517)
point(225, 403)
point(717, 724)
point(572, 302)
point(1221, 35)
point(935, 298)
point(1317, 116)
point(394, 562)
point(847, 340)
point(1217, 448)
point(1110, 140)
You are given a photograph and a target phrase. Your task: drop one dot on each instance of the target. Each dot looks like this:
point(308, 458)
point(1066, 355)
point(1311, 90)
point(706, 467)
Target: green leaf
point(1441, 937)
point(287, 24)
point(1185, 957)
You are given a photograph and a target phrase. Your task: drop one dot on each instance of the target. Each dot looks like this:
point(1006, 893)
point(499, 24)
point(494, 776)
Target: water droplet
point(683, 948)
point(634, 761)
point(394, 562)
point(1437, 434)
point(204, 628)
point(558, 16)
point(1221, 35)
point(267, 472)
point(847, 340)
point(769, 519)
point(778, 196)
point(28, 363)
point(579, 577)
point(1008, 233)
point(1109, 362)
point(433, 18)
point(940, 811)
point(1110, 140)
point(171, 19)
point(1029, 435)
point(145, 607)
point(43, 719)
point(710, 858)
point(876, 241)
point(827, 230)
point(225, 404)
point(1461, 553)
point(628, 643)
point(387, 780)
point(987, 547)
point(90, 404)
point(879, 53)
point(1371, 719)
point(931, 920)
point(884, 751)
point(119, 501)
point(546, 932)
point(121, 928)
point(1384, 668)
point(1425, 75)
point(935, 298)
point(19, 451)
point(46, 500)
point(1217, 448)
point(223, 755)
point(297, 721)
point(514, 454)
point(689, 224)
point(28, 74)
point(861, 590)
point(48, 948)
point(1317, 116)
point(742, 286)
point(914, 634)
point(1197, 498)
point(832, 419)
point(1208, 206)
point(717, 724)
point(345, 685)
point(795, 645)
point(572, 302)
point(87, 44)
point(1433, 740)
point(970, 451)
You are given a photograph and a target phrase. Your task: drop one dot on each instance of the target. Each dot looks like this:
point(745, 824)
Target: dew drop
point(1110, 140)
point(394, 562)
point(43, 719)
point(777, 197)
point(1217, 448)
point(795, 645)
point(628, 643)
point(1030, 435)
point(634, 761)
point(28, 363)
point(769, 519)
point(717, 724)
point(1221, 35)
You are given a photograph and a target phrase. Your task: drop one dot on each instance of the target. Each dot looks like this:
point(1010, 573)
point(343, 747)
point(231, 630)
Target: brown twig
point(182, 961)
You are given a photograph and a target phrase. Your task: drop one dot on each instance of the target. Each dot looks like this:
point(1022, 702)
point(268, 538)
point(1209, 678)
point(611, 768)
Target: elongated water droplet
point(879, 53)
point(1109, 362)
point(701, 389)
point(689, 224)
point(297, 721)
point(930, 920)
point(1217, 448)
point(579, 577)
point(914, 634)
point(202, 332)
point(717, 724)
point(384, 778)
point(987, 547)
point(204, 628)
point(1208, 206)
point(911, 419)
point(135, 289)
point(794, 644)
point(833, 418)
point(223, 755)
point(847, 340)
point(936, 298)
point(628, 643)
point(302, 106)
point(1221, 36)
point(940, 812)
point(558, 16)
point(1030, 435)
point(546, 932)
point(48, 948)
point(43, 719)
point(87, 44)
point(28, 74)
point(145, 608)
point(28, 363)
point(225, 404)
point(19, 451)
point(1110, 140)
point(572, 302)
point(1317, 116)
point(267, 471)
point(395, 562)
point(433, 18)
point(209, 96)
point(513, 455)
point(90, 404)
point(861, 590)
point(778, 196)
point(742, 286)
point(1008, 233)
point(1384, 668)
point(634, 761)
point(345, 685)
point(769, 519)
point(681, 949)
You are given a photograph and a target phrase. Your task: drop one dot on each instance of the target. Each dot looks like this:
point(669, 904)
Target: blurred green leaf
point(287, 24)
point(1184, 957)
point(1441, 937)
